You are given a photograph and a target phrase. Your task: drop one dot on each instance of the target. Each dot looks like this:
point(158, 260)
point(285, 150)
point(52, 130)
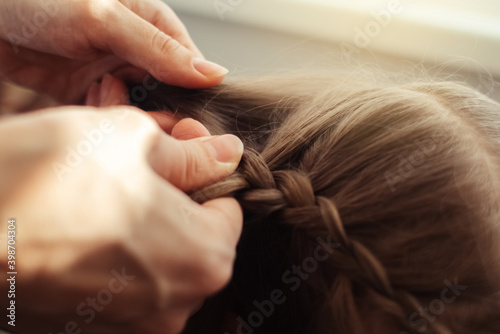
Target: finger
point(189, 128)
point(189, 164)
point(163, 17)
point(220, 222)
point(226, 218)
point(93, 97)
point(166, 120)
point(146, 46)
point(112, 92)
point(69, 80)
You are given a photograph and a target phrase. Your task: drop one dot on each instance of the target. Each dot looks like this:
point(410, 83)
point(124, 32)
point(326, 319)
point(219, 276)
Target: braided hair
point(368, 208)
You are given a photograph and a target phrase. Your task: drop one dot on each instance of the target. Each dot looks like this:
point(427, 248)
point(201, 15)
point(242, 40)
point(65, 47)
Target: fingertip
point(93, 97)
point(189, 128)
point(209, 69)
point(166, 120)
point(190, 164)
point(184, 70)
point(225, 148)
point(113, 92)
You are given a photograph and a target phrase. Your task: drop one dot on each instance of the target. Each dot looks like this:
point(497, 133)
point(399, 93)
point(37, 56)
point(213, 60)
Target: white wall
point(250, 48)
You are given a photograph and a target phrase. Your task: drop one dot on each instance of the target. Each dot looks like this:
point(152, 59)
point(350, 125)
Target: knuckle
point(93, 15)
point(165, 44)
point(65, 124)
point(178, 34)
point(90, 11)
point(194, 168)
point(135, 127)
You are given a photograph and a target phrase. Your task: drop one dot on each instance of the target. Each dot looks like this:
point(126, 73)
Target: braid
point(289, 196)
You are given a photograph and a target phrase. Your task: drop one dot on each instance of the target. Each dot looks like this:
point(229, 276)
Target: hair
point(369, 207)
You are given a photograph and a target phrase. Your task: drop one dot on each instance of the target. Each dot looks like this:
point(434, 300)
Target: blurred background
point(452, 39)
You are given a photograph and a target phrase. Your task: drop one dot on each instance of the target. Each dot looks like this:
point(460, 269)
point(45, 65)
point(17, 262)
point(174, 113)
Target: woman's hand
point(107, 240)
point(59, 47)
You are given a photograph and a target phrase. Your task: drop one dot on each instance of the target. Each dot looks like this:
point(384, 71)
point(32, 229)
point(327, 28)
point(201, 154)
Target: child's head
point(368, 208)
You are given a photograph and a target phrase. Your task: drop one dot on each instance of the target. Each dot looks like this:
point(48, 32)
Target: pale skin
point(111, 243)
point(122, 207)
point(81, 40)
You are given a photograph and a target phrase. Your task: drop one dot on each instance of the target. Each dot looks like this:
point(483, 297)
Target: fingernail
point(93, 95)
point(225, 148)
point(107, 82)
point(209, 69)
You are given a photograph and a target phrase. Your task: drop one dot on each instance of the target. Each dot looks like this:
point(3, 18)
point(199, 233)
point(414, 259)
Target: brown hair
point(369, 207)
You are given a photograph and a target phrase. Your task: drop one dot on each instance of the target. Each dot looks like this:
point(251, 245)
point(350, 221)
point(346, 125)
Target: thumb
point(189, 164)
point(146, 46)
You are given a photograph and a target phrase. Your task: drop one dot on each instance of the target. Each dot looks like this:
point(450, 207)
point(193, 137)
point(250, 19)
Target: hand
point(59, 47)
point(113, 92)
point(104, 243)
